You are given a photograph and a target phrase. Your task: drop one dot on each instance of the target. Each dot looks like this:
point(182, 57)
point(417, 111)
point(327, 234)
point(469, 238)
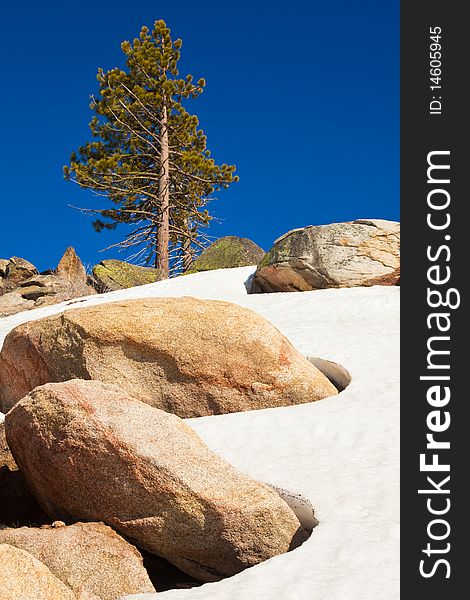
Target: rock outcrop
point(110, 275)
point(187, 356)
point(357, 253)
point(87, 557)
point(228, 252)
point(70, 268)
point(91, 452)
point(29, 289)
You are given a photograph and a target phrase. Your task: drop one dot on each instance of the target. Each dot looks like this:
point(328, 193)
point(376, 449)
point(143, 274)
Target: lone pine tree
point(148, 156)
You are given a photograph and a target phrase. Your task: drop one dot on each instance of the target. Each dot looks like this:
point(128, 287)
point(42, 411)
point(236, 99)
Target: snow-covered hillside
point(342, 453)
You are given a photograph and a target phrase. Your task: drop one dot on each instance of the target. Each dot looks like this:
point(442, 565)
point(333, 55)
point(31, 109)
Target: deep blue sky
point(302, 95)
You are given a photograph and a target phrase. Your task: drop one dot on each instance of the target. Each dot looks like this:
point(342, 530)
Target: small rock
point(57, 524)
point(90, 451)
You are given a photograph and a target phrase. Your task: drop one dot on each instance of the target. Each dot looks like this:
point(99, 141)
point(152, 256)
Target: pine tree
point(148, 155)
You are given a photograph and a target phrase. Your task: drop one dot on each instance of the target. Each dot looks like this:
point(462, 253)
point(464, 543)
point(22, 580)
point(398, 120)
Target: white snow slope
point(342, 453)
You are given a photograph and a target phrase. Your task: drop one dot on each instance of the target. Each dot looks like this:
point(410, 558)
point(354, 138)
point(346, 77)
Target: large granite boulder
point(228, 252)
point(17, 503)
point(112, 275)
point(187, 356)
point(92, 452)
point(86, 557)
point(357, 253)
point(23, 577)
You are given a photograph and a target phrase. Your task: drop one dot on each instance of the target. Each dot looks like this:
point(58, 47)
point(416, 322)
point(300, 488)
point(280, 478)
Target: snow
point(341, 453)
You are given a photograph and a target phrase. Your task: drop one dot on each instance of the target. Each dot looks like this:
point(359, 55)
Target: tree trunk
point(187, 255)
point(187, 251)
point(163, 233)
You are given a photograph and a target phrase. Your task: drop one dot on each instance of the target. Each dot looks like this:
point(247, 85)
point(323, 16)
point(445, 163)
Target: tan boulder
point(23, 577)
point(87, 557)
point(91, 452)
point(186, 356)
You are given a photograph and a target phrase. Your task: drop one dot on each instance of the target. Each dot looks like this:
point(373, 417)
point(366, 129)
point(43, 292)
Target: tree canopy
point(148, 155)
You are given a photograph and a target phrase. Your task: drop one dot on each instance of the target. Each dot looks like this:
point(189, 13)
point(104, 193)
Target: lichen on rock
point(227, 253)
point(118, 275)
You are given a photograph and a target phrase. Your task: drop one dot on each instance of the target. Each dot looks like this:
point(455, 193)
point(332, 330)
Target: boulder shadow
point(335, 372)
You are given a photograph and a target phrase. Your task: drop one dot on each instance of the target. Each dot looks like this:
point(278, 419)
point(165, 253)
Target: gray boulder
point(358, 253)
